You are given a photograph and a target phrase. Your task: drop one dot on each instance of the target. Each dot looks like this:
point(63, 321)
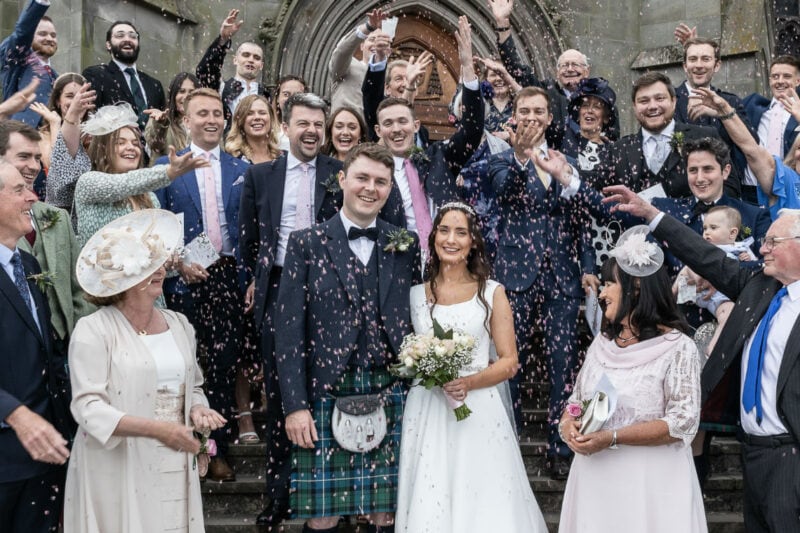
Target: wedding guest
point(344, 130)
point(137, 389)
point(441, 486)
point(636, 473)
point(166, 128)
point(65, 88)
point(286, 87)
point(253, 135)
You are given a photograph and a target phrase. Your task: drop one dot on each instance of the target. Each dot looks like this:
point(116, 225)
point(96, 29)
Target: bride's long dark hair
point(477, 265)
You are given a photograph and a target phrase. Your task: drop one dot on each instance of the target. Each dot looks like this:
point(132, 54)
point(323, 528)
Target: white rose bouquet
point(435, 358)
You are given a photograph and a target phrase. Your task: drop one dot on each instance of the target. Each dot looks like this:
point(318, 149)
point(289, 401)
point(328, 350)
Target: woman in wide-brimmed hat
point(137, 396)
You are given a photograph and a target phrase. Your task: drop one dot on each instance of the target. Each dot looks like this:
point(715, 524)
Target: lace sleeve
point(64, 173)
point(682, 393)
point(99, 187)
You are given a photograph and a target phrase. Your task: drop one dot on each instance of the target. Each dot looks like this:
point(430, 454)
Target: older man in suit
point(34, 388)
point(543, 258)
point(51, 241)
point(211, 299)
point(755, 361)
point(653, 155)
point(343, 310)
point(120, 80)
point(25, 56)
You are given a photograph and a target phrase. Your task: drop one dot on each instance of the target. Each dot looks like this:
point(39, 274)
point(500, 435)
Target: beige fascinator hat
point(110, 118)
point(127, 251)
point(635, 254)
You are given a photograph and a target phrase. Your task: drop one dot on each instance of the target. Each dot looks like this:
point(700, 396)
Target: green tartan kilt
point(331, 481)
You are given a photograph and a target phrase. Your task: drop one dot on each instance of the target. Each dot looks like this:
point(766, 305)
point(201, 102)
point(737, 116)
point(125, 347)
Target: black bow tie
point(701, 208)
point(369, 233)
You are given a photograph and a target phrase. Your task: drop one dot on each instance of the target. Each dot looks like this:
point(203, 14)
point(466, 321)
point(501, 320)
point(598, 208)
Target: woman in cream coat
point(136, 390)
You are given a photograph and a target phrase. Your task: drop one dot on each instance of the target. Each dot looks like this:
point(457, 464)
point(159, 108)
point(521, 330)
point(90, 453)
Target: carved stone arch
point(302, 36)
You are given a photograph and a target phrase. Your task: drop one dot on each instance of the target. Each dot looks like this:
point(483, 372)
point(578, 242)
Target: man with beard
point(120, 80)
point(249, 63)
point(26, 55)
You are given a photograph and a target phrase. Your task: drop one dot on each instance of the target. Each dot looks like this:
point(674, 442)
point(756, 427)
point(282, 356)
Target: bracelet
point(68, 121)
point(613, 445)
point(501, 29)
point(370, 28)
point(727, 116)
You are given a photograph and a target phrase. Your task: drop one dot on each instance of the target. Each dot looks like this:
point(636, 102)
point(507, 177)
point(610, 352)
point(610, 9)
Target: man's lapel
point(9, 290)
point(386, 262)
point(228, 173)
point(276, 184)
point(119, 79)
point(339, 250)
point(323, 174)
point(790, 354)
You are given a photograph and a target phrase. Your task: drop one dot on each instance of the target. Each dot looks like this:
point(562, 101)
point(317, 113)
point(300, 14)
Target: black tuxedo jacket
point(109, 82)
point(624, 163)
point(752, 292)
point(30, 373)
point(319, 308)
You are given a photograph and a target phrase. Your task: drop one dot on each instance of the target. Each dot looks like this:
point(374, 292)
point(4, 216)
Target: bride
point(468, 475)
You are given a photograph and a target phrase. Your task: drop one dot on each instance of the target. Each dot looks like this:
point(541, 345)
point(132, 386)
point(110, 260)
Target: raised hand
point(628, 201)
point(683, 33)
point(416, 67)
point(556, 164)
point(19, 100)
point(497, 66)
point(81, 103)
point(501, 10)
point(383, 48)
point(790, 103)
point(375, 18)
point(464, 39)
point(230, 25)
point(156, 114)
point(707, 103)
point(52, 117)
point(524, 138)
point(180, 165)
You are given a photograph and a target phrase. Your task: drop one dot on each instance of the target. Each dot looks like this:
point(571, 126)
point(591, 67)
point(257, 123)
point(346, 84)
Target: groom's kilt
point(330, 481)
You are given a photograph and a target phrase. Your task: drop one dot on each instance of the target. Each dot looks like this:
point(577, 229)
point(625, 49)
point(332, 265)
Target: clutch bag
point(596, 413)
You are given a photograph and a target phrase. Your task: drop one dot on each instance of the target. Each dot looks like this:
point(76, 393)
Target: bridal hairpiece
point(635, 254)
point(460, 206)
point(110, 118)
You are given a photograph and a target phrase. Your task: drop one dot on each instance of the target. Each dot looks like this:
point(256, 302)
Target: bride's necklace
point(143, 330)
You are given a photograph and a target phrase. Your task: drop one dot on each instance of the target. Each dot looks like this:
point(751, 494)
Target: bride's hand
point(458, 388)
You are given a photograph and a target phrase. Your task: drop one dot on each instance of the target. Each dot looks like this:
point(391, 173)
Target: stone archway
point(300, 38)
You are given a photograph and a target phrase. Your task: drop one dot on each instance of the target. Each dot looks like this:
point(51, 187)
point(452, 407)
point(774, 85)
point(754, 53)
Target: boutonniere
point(746, 231)
point(332, 183)
point(43, 280)
point(677, 142)
point(399, 241)
point(417, 155)
point(48, 219)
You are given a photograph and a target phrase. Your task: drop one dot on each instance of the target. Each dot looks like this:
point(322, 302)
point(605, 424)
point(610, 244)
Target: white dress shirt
point(289, 206)
point(781, 327)
point(227, 245)
point(763, 135)
point(122, 67)
point(362, 246)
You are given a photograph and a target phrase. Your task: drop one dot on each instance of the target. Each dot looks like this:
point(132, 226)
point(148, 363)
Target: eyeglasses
point(770, 242)
point(572, 65)
point(122, 34)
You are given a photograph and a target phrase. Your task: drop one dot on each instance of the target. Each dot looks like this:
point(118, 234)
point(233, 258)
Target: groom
point(343, 310)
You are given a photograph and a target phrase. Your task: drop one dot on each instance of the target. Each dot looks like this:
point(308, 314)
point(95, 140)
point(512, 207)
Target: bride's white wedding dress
point(463, 476)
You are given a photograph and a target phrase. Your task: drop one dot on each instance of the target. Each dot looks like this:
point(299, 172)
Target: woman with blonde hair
point(253, 136)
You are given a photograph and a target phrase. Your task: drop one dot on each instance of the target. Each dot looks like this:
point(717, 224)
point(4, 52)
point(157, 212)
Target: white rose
point(440, 350)
point(409, 362)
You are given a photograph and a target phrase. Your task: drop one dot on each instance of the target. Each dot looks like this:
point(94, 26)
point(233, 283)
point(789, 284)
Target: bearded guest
point(26, 55)
point(120, 80)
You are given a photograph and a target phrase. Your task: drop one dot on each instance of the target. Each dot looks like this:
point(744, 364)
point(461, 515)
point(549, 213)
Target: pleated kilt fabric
point(331, 481)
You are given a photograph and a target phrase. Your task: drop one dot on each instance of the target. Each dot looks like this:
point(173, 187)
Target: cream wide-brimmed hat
point(127, 251)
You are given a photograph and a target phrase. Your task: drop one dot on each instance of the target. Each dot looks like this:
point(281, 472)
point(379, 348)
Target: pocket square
point(238, 181)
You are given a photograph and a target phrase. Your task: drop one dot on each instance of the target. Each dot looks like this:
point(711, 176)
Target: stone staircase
point(232, 507)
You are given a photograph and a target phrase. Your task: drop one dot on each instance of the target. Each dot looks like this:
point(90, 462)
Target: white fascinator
point(110, 118)
point(635, 254)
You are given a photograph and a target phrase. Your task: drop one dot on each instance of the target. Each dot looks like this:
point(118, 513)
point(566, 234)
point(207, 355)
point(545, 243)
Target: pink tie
point(303, 210)
point(213, 229)
point(775, 131)
point(419, 202)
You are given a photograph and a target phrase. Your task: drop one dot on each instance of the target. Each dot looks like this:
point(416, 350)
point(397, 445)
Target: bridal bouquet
point(435, 359)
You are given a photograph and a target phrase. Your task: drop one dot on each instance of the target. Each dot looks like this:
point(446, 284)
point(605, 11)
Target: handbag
point(359, 422)
point(595, 414)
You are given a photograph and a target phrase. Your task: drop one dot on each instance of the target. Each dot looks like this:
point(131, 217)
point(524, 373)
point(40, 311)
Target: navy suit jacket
point(30, 373)
point(183, 196)
point(537, 219)
point(756, 105)
point(18, 68)
point(319, 305)
point(109, 82)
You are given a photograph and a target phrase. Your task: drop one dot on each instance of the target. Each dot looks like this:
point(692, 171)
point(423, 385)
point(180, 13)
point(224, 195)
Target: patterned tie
point(751, 394)
point(213, 229)
point(419, 202)
point(303, 212)
point(658, 153)
point(775, 131)
point(20, 281)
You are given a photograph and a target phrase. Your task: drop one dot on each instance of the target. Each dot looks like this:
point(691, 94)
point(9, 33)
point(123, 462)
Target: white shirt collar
point(793, 289)
point(292, 162)
point(350, 224)
point(5, 254)
point(667, 132)
point(196, 150)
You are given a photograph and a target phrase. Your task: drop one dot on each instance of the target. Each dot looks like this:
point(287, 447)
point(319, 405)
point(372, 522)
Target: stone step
point(718, 522)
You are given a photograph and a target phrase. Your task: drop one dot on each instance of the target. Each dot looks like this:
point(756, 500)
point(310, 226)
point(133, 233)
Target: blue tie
point(20, 281)
point(751, 395)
